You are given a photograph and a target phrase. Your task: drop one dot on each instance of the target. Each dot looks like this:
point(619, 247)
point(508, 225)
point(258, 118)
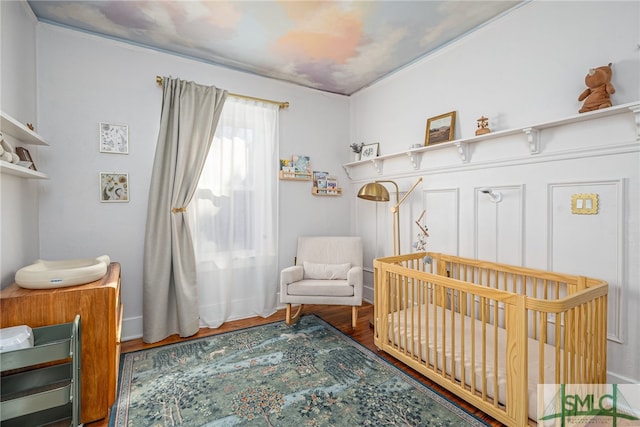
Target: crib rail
point(469, 324)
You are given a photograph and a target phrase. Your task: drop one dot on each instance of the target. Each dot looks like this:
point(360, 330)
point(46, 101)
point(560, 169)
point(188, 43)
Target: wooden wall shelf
point(296, 176)
point(316, 192)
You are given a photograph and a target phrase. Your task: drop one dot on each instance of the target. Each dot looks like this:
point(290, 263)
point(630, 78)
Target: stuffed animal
point(599, 89)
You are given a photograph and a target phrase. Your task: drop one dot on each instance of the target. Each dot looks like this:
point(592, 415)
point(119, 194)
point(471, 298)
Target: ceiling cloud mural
point(333, 46)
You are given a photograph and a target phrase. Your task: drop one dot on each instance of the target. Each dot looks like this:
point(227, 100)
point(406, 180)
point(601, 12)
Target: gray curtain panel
point(190, 114)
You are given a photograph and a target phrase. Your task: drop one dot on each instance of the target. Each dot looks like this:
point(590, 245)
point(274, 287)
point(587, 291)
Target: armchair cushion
point(321, 288)
point(314, 270)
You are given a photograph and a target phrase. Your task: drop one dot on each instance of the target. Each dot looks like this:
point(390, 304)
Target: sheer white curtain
point(234, 216)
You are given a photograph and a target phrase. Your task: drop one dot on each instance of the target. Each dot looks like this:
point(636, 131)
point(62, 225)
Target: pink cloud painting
point(335, 46)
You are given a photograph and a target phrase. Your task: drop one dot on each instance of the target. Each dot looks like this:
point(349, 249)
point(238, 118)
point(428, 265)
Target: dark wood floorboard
point(337, 316)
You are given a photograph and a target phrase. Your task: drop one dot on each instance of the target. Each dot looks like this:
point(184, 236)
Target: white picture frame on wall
point(114, 138)
point(114, 187)
point(369, 151)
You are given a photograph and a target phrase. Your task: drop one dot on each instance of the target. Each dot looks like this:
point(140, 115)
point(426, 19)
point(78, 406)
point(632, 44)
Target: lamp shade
point(374, 191)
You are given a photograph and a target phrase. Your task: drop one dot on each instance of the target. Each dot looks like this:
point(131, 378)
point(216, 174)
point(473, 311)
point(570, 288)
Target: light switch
point(584, 204)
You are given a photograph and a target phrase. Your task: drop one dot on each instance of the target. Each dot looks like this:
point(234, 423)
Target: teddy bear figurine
point(599, 89)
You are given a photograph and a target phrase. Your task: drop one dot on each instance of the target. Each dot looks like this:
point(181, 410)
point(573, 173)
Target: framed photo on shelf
point(369, 151)
point(114, 138)
point(25, 158)
point(114, 187)
point(440, 128)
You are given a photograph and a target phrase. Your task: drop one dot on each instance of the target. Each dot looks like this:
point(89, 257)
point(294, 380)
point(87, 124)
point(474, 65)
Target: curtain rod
point(160, 80)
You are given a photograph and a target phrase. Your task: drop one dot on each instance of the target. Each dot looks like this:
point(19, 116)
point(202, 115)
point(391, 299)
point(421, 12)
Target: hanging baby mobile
point(421, 243)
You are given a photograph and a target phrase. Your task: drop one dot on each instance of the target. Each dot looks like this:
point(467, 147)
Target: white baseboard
point(131, 328)
point(613, 378)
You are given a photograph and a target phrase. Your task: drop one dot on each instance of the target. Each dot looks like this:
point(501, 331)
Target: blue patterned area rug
point(309, 374)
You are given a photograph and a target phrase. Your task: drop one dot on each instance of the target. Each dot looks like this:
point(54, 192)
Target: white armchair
point(328, 271)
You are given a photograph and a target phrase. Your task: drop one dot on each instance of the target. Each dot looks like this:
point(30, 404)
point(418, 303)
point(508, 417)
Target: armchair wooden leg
point(293, 319)
point(354, 316)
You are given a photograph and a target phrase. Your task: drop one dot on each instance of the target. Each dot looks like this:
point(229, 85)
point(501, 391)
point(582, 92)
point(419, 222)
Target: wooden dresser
point(100, 309)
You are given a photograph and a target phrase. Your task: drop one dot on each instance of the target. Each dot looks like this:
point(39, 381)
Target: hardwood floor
point(340, 318)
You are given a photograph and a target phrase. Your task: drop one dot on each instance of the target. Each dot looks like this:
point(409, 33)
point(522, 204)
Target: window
point(233, 215)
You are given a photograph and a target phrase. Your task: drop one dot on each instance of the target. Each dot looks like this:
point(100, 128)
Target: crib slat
point(473, 345)
point(463, 337)
point(452, 311)
point(419, 290)
point(495, 353)
point(443, 335)
point(402, 305)
point(567, 343)
point(483, 324)
point(541, 342)
point(558, 359)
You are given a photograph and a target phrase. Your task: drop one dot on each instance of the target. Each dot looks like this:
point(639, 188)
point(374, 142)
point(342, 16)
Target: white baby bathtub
point(57, 274)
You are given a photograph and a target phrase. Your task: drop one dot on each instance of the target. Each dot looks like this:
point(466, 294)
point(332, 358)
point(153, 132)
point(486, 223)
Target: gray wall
point(18, 196)
point(85, 80)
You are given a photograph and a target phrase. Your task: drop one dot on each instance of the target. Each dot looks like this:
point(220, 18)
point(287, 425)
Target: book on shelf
point(286, 164)
point(319, 176)
point(24, 156)
point(332, 185)
point(302, 164)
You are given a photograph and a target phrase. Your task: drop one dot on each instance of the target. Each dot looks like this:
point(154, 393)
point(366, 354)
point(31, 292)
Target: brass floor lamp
point(377, 192)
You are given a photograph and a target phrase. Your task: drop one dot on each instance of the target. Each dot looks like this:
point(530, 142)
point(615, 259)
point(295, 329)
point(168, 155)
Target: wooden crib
point(490, 332)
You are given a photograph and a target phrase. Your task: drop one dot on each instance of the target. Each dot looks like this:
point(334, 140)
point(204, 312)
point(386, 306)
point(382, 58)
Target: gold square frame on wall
point(440, 128)
point(584, 204)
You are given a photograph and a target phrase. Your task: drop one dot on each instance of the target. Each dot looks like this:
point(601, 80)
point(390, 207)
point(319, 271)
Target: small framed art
point(440, 128)
point(114, 187)
point(25, 158)
point(114, 138)
point(369, 151)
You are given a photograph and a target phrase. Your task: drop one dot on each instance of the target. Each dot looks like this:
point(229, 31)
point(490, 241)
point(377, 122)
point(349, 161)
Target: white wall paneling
point(442, 218)
point(591, 245)
point(499, 225)
point(533, 225)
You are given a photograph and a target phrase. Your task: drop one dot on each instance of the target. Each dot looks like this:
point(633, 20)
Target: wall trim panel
point(617, 289)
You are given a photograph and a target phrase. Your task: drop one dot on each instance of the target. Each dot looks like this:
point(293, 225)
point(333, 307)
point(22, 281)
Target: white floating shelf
point(12, 169)
point(19, 131)
point(530, 133)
